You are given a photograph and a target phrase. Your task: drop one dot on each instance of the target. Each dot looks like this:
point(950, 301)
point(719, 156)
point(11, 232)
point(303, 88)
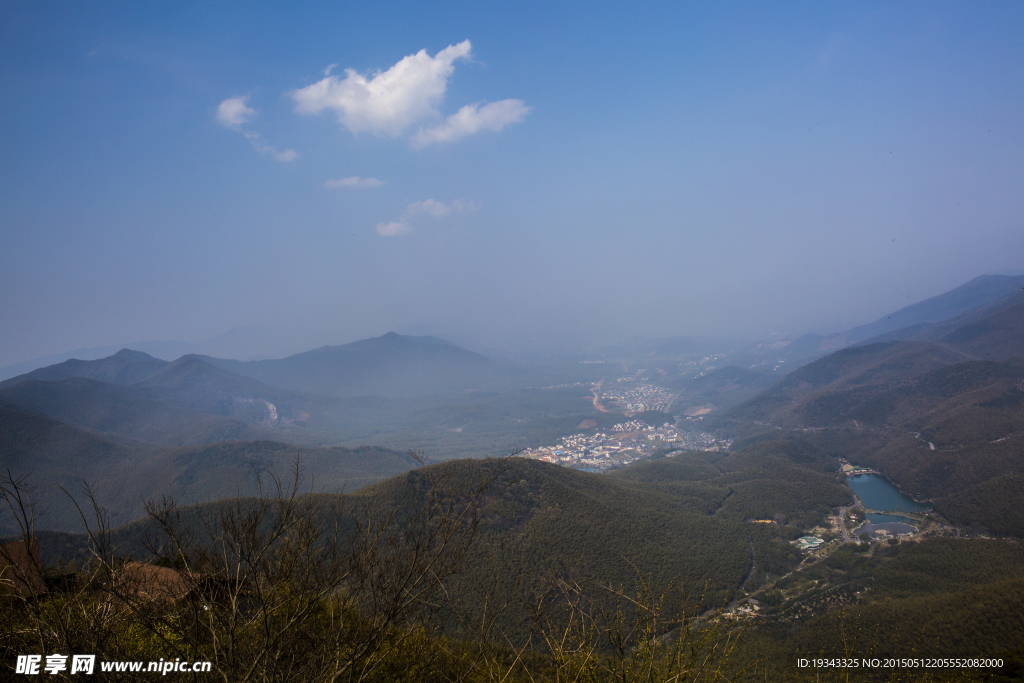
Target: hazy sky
point(509, 174)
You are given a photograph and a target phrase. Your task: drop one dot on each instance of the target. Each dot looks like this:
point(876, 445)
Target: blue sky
point(571, 175)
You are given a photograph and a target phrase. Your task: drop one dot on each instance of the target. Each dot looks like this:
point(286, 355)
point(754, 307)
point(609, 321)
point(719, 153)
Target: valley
point(858, 484)
point(663, 342)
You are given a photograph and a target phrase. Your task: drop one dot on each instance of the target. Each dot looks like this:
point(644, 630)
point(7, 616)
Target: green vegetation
point(286, 587)
point(939, 425)
point(532, 571)
point(943, 597)
point(788, 481)
point(555, 552)
point(124, 474)
point(724, 388)
point(996, 506)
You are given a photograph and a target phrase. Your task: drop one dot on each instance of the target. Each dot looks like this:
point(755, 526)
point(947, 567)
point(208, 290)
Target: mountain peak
point(129, 354)
point(982, 290)
point(124, 367)
point(392, 364)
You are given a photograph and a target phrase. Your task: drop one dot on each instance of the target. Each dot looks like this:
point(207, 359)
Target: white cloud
point(471, 119)
point(393, 228)
point(438, 209)
point(264, 149)
point(354, 181)
point(233, 112)
point(430, 207)
point(388, 102)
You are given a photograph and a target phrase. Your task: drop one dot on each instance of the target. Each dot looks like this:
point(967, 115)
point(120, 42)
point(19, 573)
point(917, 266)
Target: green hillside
point(941, 597)
point(994, 337)
point(937, 421)
point(722, 388)
point(682, 519)
point(124, 474)
point(978, 293)
point(124, 367)
point(936, 330)
point(126, 411)
point(392, 365)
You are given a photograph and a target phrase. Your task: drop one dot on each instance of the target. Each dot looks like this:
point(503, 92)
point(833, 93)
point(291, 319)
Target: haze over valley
point(520, 343)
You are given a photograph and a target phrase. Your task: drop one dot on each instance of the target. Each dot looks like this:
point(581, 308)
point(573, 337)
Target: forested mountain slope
point(392, 365)
point(124, 474)
point(976, 294)
point(124, 367)
point(127, 411)
point(934, 418)
point(935, 331)
point(681, 519)
point(942, 597)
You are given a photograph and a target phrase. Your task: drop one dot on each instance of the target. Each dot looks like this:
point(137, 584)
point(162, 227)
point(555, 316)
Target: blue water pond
point(878, 494)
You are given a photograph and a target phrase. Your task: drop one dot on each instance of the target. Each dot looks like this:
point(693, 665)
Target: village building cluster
point(625, 443)
point(638, 398)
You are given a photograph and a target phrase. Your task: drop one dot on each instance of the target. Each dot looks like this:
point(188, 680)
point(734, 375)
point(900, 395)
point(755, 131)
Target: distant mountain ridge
point(124, 473)
point(126, 411)
point(391, 365)
point(366, 392)
point(926, 320)
point(996, 336)
point(979, 292)
point(124, 367)
point(943, 419)
point(182, 402)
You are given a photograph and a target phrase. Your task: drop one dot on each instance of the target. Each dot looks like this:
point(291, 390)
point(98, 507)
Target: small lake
point(886, 529)
point(878, 494)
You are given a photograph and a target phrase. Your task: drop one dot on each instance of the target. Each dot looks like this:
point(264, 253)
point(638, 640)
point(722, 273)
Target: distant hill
point(979, 292)
point(392, 365)
point(932, 416)
point(125, 474)
point(935, 331)
point(928, 320)
point(722, 388)
point(679, 519)
point(469, 406)
point(167, 403)
point(796, 399)
point(997, 336)
point(124, 367)
point(126, 411)
point(193, 383)
point(993, 331)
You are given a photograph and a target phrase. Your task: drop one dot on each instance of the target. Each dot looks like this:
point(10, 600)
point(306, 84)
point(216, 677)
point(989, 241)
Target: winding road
point(596, 390)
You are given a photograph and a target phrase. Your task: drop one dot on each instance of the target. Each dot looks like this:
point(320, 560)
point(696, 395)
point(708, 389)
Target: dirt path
point(750, 574)
point(596, 391)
